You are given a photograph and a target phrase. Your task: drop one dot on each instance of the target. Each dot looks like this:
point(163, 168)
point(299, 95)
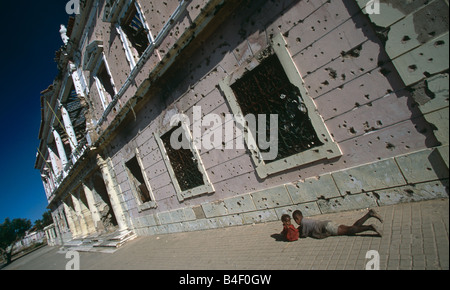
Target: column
point(59, 220)
point(60, 225)
point(53, 161)
point(96, 218)
point(61, 150)
point(51, 182)
point(79, 213)
point(112, 193)
point(47, 189)
point(76, 79)
point(69, 128)
point(86, 211)
point(70, 220)
point(49, 238)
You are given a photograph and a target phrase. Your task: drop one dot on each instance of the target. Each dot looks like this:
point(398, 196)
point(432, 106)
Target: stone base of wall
point(417, 176)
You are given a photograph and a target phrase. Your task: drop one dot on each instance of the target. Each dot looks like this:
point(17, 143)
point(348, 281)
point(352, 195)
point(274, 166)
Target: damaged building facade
point(361, 100)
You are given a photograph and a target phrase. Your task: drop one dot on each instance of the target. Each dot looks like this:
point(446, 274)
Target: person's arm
point(284, 232)
point(292, 234)
point(299, 229)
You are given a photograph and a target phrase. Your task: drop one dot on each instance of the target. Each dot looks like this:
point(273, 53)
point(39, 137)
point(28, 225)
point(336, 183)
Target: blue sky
point(30, 38)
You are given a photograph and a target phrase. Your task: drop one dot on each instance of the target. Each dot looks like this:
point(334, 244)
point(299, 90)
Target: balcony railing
point(82, 147)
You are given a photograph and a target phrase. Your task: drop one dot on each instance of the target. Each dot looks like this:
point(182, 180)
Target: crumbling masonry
point(363, 96)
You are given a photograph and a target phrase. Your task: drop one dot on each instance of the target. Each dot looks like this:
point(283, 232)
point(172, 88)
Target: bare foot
point(377, 230)
point(374, 214)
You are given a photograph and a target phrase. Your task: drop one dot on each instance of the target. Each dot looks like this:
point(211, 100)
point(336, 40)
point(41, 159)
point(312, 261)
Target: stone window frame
point(207, 188)
point(99, 84)
point(112, 9)
point(93, 58)
point(92, 52)
point(152, 204)
point(132, 58)
point(329, 150)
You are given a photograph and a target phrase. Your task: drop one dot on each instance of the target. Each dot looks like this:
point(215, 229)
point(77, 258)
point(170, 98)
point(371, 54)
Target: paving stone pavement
point(415, 236)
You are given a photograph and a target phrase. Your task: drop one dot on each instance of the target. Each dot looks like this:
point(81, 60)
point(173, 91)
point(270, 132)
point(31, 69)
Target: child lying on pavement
point(323, 229)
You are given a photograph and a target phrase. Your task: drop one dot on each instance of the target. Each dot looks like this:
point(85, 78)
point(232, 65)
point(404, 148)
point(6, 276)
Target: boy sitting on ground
point(289, 232)
point(323, 229)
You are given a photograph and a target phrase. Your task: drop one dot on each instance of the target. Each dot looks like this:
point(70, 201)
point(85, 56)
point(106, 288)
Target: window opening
point(76, 113)
point(184, 164)
point(134, 28)
point(105, 80)
point(267, 90)
point(137, 180)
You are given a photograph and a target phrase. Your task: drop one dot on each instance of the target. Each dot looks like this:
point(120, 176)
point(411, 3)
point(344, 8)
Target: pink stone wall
point(344, 66)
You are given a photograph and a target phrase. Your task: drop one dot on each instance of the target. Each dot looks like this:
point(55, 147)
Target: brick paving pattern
point(415, 237)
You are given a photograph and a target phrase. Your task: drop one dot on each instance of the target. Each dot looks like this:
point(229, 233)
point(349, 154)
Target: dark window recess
point(267, 90)
point(134, 29)
point(184, 164)
point(76, 113)
point(77, 117)
point(137, 179)
point(105, 79)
